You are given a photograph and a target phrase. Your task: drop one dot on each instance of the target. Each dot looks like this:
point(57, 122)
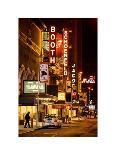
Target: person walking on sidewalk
point(67, 119)
point(27, 119)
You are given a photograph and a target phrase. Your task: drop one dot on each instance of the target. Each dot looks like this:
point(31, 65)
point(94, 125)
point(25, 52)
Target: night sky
point(90, 47)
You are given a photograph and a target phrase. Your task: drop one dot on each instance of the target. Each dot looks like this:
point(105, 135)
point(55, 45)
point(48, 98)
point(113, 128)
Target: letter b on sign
point(52, 29)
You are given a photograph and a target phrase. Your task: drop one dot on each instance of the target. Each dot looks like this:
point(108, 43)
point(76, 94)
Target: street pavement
point(78, 128)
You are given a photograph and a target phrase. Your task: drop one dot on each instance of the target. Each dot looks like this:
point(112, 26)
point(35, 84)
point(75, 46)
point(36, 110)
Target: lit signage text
point(33, 86)
point(74, 93)
point(52, 45)
point(90, 80)
point(79, 82)
point(65, 50)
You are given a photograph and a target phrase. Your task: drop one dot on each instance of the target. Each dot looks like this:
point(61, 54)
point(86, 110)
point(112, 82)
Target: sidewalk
point(23, 130)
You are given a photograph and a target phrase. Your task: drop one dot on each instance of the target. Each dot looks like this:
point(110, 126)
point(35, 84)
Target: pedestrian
point(27, 119)
point(90, 114)
point(66, 118)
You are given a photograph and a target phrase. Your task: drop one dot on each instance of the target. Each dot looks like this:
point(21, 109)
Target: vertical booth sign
point(52, 45)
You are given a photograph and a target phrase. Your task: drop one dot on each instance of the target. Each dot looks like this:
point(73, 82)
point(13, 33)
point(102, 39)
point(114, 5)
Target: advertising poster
point(44, 72)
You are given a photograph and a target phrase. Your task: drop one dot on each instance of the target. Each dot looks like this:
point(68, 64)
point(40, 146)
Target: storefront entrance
point(22, 110)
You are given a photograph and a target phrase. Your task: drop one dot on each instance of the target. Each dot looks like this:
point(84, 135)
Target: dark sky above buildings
point(90, 46)
point(89, 40)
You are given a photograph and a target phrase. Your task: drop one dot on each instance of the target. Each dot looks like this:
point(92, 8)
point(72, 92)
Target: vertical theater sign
point(52, 44)
point(65, 50)
point(79, 82)
point(65, 67)
point(74, 92)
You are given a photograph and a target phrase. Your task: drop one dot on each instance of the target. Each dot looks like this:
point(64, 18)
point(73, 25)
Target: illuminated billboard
point(31, 87)
point(52, 44)
point(65, 50)
point(44, 72)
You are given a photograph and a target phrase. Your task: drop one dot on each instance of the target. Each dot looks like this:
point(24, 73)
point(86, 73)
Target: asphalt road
point(79, 128)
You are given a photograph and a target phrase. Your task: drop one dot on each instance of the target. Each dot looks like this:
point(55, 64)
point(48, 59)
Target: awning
point(27, 101)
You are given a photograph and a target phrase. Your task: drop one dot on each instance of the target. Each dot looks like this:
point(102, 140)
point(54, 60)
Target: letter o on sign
point(52, 36)
point(52, 44)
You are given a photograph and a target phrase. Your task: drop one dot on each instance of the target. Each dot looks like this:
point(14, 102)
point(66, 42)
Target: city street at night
point(78, 128)
point(57, 77)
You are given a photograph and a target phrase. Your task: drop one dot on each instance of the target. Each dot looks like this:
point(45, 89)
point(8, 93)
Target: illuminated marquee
point(52, 45)
point(65, 50)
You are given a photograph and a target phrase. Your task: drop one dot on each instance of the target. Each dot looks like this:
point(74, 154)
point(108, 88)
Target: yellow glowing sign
point(61, 96)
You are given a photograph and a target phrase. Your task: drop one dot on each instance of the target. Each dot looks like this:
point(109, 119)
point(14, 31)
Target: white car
point(51, 121)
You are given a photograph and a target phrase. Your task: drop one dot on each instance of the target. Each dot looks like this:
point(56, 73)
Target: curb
point(30, 130)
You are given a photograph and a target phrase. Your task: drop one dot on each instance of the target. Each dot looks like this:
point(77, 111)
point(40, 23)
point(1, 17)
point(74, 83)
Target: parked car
point(51, 121)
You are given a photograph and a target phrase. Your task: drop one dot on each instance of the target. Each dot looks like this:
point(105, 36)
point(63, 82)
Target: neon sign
point(52, 45)
point(73, 76)
point(79, 82)
point(74, 92)
point(90, 80)
point(65, 50)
